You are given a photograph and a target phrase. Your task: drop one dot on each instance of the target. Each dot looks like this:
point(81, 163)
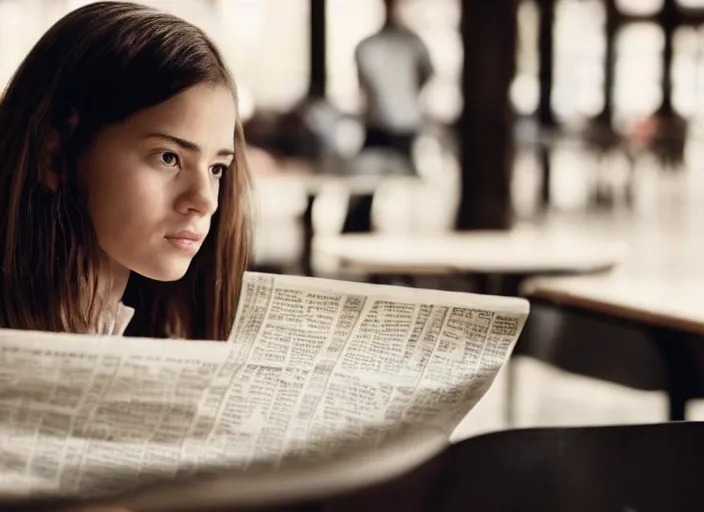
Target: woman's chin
point(165, 273)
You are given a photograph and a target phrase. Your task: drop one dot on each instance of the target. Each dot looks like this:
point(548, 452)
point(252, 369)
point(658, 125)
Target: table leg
point(545, 185)
point(307, 251)
point(681, 371)
point(359, 214)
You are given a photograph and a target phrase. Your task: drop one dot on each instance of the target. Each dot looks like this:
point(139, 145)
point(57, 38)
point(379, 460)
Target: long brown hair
point(106, 61)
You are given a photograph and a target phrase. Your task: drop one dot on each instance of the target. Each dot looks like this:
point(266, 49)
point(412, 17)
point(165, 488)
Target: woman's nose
point(201, 195)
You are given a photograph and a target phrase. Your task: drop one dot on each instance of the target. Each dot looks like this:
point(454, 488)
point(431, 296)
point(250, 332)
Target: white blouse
point(115, 324)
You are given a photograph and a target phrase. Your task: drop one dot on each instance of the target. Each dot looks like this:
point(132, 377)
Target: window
point(22, 23)
point(691, 4)
point(638, 77)
point(686, 70)
point(437, 23)
point(525, 89)
point(580, 46)
point(639, 7)
point(688, 75)
point(265, 42)
point(348, 23)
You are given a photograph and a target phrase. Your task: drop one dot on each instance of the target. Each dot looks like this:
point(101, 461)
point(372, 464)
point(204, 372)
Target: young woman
point(123, 181)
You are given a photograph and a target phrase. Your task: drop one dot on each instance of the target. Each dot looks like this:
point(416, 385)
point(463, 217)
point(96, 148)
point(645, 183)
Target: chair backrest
point(634, 468)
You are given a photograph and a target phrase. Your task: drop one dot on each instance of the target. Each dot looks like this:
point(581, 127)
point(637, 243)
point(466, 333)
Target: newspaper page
point(313, 369)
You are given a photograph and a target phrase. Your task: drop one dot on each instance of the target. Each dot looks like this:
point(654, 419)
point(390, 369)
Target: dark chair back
point(634, 468)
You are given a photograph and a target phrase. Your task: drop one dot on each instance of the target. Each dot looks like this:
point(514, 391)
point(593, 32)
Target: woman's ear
point(50, 172)
point(49, 160)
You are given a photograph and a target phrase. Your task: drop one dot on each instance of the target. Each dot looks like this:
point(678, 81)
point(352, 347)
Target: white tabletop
point(313, 183)
point(518, 251)
point(663, 302)
point(660, 282)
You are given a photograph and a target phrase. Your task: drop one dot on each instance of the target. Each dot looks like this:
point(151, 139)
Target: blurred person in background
point(393, 67)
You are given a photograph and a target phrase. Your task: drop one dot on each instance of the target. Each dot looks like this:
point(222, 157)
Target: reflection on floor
point(551, 397)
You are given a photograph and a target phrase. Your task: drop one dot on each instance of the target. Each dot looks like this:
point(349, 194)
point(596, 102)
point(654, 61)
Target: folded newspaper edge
point(292, 484)
point(286, 485)
point(323, 386)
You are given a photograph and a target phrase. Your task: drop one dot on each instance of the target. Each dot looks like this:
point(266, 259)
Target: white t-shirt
point(391, 64)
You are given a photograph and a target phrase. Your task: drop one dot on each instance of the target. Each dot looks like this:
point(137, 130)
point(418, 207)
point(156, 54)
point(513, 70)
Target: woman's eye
point(169, 159)
point(218, 170)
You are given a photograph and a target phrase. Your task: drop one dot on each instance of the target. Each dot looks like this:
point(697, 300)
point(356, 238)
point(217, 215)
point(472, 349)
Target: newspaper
point(314, 369)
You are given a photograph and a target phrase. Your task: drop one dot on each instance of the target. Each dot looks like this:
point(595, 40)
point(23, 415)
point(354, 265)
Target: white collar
point(115, 323)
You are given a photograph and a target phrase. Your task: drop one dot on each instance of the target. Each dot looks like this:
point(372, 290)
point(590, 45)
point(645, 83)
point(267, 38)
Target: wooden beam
point(485, 128)
point(612, 20)
point(546, 52)
point(318, 49)
point(668, 19)
point(684, 17)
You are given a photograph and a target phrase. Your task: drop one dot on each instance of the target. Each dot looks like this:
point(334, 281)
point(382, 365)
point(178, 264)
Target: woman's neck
point(115, 278)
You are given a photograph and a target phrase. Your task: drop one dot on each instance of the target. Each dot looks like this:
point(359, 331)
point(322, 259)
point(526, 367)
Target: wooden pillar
point(546, 52)
point(318, 64)
point(485, 128)
point(668, 21)
point(546, 118)
point(612, 23)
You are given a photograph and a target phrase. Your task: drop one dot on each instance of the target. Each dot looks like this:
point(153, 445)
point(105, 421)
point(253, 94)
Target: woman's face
point(152, 180)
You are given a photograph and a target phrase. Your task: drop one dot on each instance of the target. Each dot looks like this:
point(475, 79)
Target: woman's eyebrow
point(188, 145)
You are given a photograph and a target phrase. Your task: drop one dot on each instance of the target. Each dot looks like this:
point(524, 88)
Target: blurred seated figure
point(664, 134)
point(308, 133)
point(283, 135)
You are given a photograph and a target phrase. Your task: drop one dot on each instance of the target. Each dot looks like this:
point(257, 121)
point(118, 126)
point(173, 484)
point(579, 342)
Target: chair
point(641, 468)
point(634, 468)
